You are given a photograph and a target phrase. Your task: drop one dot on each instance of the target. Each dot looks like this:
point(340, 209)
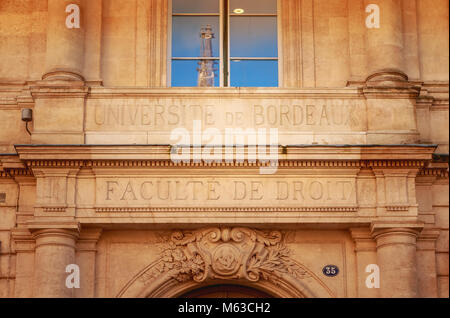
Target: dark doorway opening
point(226, 291)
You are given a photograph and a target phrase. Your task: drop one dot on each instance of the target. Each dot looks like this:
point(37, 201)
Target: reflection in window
point(206, 70)
point(186, 35)
point(185, 74)
point(236, 49)
point(195, 43)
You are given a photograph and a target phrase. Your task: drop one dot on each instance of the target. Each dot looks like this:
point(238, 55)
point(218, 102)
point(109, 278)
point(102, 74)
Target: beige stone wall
point(23, 36)
point(123, 254)
point(322, 215)
point(13, 129)
point(323, 41)
point(433, 39)
point(432, 195)
point(341, 84)
point(324, 44)
point(440, 208)
point(7, 222)
point(134, 50)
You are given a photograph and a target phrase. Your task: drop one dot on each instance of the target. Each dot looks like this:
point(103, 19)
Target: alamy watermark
point(73, 279)
point(233, 146)
point(373, 280)
point(373, 19)
point(73, 19)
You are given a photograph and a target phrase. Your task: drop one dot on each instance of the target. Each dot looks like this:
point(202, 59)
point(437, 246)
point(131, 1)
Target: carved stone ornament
point(224, 253)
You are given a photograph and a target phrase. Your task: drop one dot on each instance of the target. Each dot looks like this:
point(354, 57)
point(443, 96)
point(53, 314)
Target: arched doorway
point(226, 291)
point(225, 256)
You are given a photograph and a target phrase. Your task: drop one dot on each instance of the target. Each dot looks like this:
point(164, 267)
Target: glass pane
point(253, 37)
point(186, 36)
point(245, 73)
point(195, 6)
point(253, 6)
point(187, 73)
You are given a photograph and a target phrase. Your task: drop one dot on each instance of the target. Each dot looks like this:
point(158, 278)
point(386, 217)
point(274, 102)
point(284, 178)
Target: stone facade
point(362, 170)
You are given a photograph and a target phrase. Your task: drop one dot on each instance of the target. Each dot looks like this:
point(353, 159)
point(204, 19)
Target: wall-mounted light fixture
point(27, 116)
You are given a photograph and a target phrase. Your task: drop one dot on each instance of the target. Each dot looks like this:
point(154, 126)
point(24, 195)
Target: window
point(221, 43)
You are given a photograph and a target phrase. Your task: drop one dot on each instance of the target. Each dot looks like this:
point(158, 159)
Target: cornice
point(433, 91)
point(285, 153)
point(224, 92)
point(15, 172)
point(155, 164)
point(19, 172)
point(299, 163)
point(441, 173)
point(158, 156)
point(10, 161)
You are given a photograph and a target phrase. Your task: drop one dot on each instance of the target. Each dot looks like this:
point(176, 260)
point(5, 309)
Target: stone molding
point(426, 94)
point(87, 241)
point(56, 233)
point(23, 240)
point(136, 156)
point(388, 233)
point(59, 170)
point(60, 89)
point(55, 237)
point(9, 173)
point(356, 156)
point(224, 209)
point(364, 241)
point(426, 241)
point(35, 226)
point(62, 74)
point(387, 78)
point(246, 163)
point(441, 173)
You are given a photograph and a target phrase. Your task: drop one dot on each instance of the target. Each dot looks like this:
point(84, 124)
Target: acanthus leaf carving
point(224, 253)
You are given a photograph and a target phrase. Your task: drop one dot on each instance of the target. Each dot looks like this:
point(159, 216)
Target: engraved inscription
point(304, 115)
point(163, 114)
point(226, 192)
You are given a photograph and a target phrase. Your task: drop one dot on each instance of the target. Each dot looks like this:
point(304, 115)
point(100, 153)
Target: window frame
point(221, 57)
